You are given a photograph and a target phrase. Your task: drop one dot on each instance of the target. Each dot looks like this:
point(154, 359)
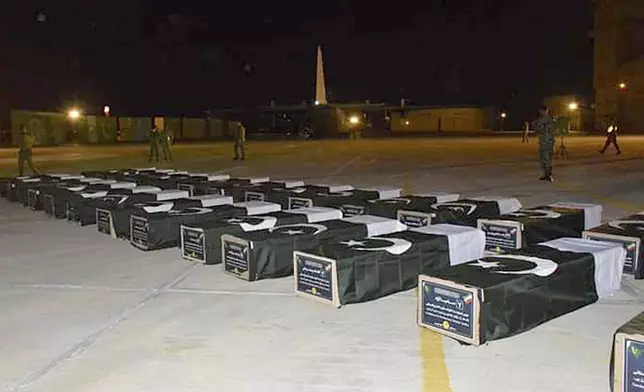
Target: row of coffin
point(345, 245)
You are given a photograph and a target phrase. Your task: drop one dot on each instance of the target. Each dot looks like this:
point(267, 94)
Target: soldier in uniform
point(544, 126)
point(166, 138)
point(27, 140)
point(239, 136)
point(611, 136)
point(526, 132)
point(154, 144)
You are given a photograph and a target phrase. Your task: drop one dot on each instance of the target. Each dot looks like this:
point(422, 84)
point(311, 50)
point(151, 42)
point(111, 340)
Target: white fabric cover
point(104, 182)
point(71, 177)
point(22, 177)
point(317, 214)
point(146, 169)
point(609, 261)
point(289, 184)
point(386, 192)
point(178, 173)
point(442, 197)
point(146, 189)
point(164, 171)
point(298, 190)
point(336, 188)
point(94, 195)
point(59, 175)
point(165, 207)
point(90, 179)
point(256, 180)
point(171, 194)
point(506, 204)
point(77, 188)
point(592, 212)
point(32, 180)
point(258, 207)
point(218, 177)
point(213, 200)
point(377, 225)
point(123, 185)
point(268, 223)
point(465, 243)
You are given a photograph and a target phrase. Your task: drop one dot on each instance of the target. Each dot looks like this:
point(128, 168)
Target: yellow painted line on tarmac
point(432, 353)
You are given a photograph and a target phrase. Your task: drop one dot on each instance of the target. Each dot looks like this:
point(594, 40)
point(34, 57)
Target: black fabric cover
point(290, 199)
point(364, 275)
point(203, 187)
point(631, 365)
point(54, 199)
point(515, 303)
point(165, 181)
point(389, 208)
point(626, 229)
point(271, 253)
point(202, 241)
point(152, 231)
point(540, 224)
point(464, 212)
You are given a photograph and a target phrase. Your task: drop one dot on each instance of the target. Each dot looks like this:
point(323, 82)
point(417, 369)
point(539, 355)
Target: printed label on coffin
point(187, 187)
point(215, 191)
point(315, 276)
point(349, 210)
point(104, 221)
point(192, 244)
point(448, 308)
point(32, 198)
point(633, 378)
point(299, 202)
point(501, 235)
point(254, 196)
point(139, 232)
point(49, 205)
point(630, 244)
point(627, 225)
point(414, 219)
point(235, 254)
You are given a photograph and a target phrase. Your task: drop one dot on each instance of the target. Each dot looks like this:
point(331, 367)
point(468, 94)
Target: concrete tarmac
point(82, 312)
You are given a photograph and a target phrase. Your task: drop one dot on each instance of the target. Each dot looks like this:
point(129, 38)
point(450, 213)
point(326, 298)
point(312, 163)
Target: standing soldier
point(239, 135)
point(611, 136)
point(154, 144)
point(526, 132)
point(166, 138)
point(544, 126)
point(27, 141)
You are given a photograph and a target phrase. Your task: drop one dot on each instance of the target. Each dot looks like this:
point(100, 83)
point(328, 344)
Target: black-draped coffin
point(365, 269)
point(628, 232)
point(465, 212)
point(501, 296)
point(626, 372)
point(389, 208)
point(531, 226)
point(269, 253)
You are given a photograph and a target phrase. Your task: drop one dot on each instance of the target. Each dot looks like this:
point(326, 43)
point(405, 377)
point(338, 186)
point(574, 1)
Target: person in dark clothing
point(154, 144)
point(611, 136)
point(27, 141)
point(544, 126)
point(239, 136)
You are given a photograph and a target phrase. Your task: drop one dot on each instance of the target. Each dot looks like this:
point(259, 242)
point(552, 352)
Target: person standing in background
point(154, 144)
point(526, 132)
point(166, 138)
point(611, 136)
point(239, 136)
point(27, 141)
point(545, 126)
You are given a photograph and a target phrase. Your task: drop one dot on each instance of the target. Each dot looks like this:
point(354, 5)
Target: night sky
point(173, 57)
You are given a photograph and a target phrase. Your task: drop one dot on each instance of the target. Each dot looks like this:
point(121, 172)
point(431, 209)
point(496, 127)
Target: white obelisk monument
point(320, 86)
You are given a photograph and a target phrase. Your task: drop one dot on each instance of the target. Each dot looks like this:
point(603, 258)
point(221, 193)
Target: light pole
point(503, 116)
point(573, 107)
point(74, 114)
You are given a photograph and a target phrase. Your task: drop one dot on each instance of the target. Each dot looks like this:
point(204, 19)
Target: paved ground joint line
point(86, 343)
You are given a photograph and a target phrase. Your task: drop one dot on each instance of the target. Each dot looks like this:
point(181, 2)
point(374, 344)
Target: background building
point(619, 63)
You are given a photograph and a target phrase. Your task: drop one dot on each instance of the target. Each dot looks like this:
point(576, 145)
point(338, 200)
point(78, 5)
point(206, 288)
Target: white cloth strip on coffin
point(506, 204)
point(171, 194)
point(386, 192)
point(90, 179)
point(465, 243)
point(441, 197)
point(103, 182)
point(592, 212)
point(213, 200)
point(59, 175)
point(164, 171)
point(290, 184)
point(32, 180)
point(179, 173)
point(377, 225)
point(22, 177)
point(609, 261)
point(256, 180)
point(77, 188)
point(258, 207)
point(268, 222)
point(336, 188)
point(144, 169)
point(71, 177)
point(298, 190)
point(198, 174)
point(146, 189)
point(123, 185)
point(164, 207)
point(317, 214)
point(94, 195)
point(218, 177)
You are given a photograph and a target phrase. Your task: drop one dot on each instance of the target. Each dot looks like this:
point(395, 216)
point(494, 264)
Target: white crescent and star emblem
point(618, 224)
point(298, 229)
point(535, 214)
point(254, 223)
point(542, 267)
point(457, 207)
point(396, 246)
